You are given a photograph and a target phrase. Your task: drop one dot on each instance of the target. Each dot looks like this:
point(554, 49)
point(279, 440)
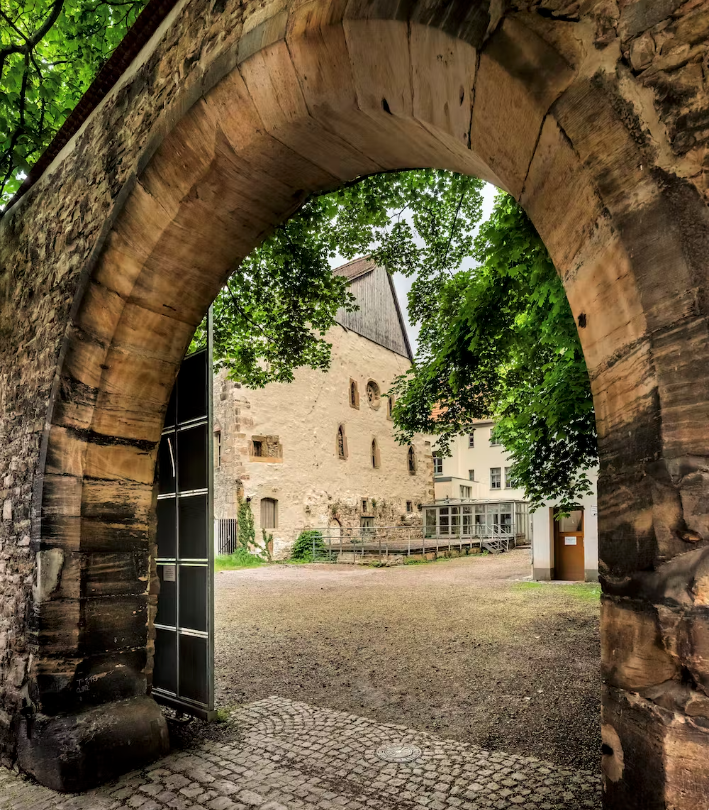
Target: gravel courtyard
point(463, 649)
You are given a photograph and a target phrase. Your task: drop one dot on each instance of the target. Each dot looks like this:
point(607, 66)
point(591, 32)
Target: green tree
point(500, 341)
point(274, 313)
point(50, 52)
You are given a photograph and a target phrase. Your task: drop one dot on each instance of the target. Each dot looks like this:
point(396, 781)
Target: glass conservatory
point(481, 520)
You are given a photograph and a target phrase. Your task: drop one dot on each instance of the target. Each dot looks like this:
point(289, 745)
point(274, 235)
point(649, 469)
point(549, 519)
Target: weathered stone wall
point(48, 243)
point(231, 116)
point(312, 485)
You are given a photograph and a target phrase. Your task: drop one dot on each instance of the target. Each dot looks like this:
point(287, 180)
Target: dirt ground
point(461, 648)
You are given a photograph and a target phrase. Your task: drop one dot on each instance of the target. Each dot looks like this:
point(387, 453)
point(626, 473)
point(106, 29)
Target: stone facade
point(313, 486)
point(591, 114)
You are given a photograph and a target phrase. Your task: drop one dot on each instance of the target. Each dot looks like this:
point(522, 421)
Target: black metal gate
point(184, 642)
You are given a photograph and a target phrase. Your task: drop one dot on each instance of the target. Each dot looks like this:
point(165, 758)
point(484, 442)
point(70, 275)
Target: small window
point(373, 395)
point(217, 448)
point(390, 407)
point(364, 504)
point(495, 478)
point(437, 464)
point(375, 454)
point(354, 394)
point(471, 439)
point(465, 492)
point(411, 460)
point(508, 484)
point(409, 506)
point(471, 475)
point(493, 440)
point(269, 513)
point(573, 522)
point(341, 442)
point(267, 448)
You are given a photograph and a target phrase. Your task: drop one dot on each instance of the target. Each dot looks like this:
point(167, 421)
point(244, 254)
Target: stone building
point(320, 452)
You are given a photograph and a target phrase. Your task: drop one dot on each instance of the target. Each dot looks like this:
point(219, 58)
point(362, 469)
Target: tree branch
point(455, 220)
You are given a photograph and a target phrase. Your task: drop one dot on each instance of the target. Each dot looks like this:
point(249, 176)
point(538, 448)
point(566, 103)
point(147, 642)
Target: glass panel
point(455, 520)
point(193, 527)
point(193, 668)
point(430, 522)
point(573, 522)
point(192, 389)
point(192, 455)
point(444, 520)
point(167, 461)
point(165, 663)
point(193, 597)
point(167, 600)
point(167, 528)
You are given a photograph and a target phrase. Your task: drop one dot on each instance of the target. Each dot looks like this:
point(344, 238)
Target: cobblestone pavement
point(286, 755)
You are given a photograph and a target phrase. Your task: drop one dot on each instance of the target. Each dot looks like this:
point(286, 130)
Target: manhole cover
point(398, 752)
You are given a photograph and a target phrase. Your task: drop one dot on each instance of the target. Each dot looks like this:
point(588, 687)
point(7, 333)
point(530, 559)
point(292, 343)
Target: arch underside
point(303, 102)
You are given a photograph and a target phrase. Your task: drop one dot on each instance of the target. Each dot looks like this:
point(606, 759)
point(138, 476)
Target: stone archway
point(290, 99)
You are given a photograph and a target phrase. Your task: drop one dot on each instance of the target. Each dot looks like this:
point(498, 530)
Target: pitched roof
point(355, 268)
point(379, 316)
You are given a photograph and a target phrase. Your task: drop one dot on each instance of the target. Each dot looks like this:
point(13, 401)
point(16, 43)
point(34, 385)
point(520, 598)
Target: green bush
point(308, 541)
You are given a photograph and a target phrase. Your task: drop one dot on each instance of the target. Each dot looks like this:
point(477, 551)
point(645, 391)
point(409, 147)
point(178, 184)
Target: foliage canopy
point(50, 52)
point(502, 343)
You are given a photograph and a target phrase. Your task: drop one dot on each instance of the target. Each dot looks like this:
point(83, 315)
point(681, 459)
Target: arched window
point(411, 459)
point(390, 407)
point(269, 513)
point(341, 442)
point(375, 454)
point(354, 394)
point(373, 395)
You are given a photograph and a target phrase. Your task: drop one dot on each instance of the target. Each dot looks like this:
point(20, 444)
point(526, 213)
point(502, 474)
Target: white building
point(320, 452)
point(567, 548)
point(473, 492)
point(477, 468)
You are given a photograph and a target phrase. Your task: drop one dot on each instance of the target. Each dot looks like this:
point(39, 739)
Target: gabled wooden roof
point(379, 317)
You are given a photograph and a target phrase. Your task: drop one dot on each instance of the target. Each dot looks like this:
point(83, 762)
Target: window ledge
point(266, 459)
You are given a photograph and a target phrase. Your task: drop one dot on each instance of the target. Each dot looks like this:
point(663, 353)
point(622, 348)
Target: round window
point(373, 395)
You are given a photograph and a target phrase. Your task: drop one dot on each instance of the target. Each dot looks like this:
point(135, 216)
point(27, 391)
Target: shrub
point(308, 541)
